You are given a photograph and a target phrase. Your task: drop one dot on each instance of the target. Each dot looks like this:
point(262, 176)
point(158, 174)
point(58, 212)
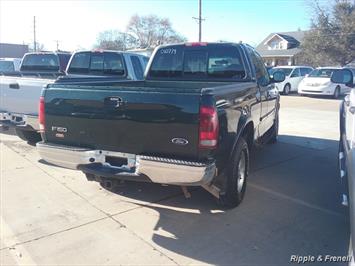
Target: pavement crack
point(146, 242)
point(54, 233)
point(108, 216)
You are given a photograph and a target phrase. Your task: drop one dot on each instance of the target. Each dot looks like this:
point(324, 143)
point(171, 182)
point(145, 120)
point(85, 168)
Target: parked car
point(318, 83)
point(20, 94)
point(347, 148)
point(191, 122)
point(9, 64)
point(294, 75)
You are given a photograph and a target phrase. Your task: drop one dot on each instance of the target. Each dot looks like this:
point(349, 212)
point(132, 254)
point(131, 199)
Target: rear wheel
point(237, 174)
point(336, 92)
point(287, 89)
point(32, 137)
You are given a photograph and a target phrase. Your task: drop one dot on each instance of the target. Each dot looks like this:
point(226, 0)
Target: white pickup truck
point(20, 91)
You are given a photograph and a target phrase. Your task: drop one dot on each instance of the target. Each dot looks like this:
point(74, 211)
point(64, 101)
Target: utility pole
point(34, 34)
point(199, 19)
point(57, 43)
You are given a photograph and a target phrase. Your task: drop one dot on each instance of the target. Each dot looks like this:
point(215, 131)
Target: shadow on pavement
point(291, 207)
point(7, 130)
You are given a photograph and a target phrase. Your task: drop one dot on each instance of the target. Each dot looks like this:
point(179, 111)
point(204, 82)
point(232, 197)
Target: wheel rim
point(336, 93)
point(241, 172)
point(287, 89)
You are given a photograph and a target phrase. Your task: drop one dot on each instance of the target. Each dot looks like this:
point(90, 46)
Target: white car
point(318, 83)
point(10, 64)
point(294, 75)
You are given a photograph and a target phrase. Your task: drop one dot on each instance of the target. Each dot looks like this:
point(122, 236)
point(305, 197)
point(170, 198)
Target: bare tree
point(151, 31)
point(115, 40)
point(331, 39)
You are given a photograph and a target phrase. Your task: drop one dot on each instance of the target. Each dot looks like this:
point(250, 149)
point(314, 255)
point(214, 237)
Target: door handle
point(115, 102)
point(15, 86)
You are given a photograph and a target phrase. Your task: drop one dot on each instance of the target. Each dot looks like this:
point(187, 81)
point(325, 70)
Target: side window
point(304, 71)
point(296, 73)
point(262, 76)
point(137, 67)
point(145, 60)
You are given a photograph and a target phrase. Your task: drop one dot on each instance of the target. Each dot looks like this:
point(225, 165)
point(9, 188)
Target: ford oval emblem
point(180, 141)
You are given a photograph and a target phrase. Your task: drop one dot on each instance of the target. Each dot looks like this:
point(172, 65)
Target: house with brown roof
point(281, 48)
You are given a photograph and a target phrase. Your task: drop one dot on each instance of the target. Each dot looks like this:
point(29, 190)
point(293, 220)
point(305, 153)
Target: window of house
point(275, 45)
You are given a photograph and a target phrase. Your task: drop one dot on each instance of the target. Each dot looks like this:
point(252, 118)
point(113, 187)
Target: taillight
point(41, 115)
point(196, 44)
point(208, 137)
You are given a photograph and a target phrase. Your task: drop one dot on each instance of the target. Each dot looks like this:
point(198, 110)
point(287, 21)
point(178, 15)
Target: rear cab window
point(40, 62)
point(6, 66)
point(202, 62)
point(97, 63)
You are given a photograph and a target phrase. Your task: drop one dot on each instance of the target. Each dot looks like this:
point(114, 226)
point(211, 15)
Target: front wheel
point(336, 93)
point(236, 179)
point(32, 137)
point(287, 89)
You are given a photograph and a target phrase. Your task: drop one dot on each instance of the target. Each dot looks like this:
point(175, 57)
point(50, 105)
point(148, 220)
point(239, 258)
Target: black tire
point(287, 89)
point(274, 130)
point(31, 137)
point(336, 92)
point(236, 176)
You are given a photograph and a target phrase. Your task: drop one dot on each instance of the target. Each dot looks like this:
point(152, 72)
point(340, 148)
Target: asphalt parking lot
point(53, 216)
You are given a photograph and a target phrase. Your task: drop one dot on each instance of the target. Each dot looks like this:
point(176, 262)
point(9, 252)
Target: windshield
point(322, 73)
point(7, 66)
point(197, 63)
point(44, 62)
point(287, 71)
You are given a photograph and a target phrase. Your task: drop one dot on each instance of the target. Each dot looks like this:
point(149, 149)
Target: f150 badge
point(180, 141)
point(60, 131)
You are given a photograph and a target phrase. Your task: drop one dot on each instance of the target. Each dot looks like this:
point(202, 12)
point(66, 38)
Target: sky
point(76, 24)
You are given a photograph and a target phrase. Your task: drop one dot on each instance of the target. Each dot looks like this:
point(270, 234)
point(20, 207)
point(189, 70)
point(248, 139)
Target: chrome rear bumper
point(156, 169)
point(30, 122)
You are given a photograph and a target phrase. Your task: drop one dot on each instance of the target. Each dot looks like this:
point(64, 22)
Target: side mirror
point(343, 76)
point(277, 76)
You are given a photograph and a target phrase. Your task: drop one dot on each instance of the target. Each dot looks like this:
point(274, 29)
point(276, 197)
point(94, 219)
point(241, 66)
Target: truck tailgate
point(20, 94)
point(134, 120)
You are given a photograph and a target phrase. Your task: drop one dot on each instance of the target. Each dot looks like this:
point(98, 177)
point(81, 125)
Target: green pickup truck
point(191, 122)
